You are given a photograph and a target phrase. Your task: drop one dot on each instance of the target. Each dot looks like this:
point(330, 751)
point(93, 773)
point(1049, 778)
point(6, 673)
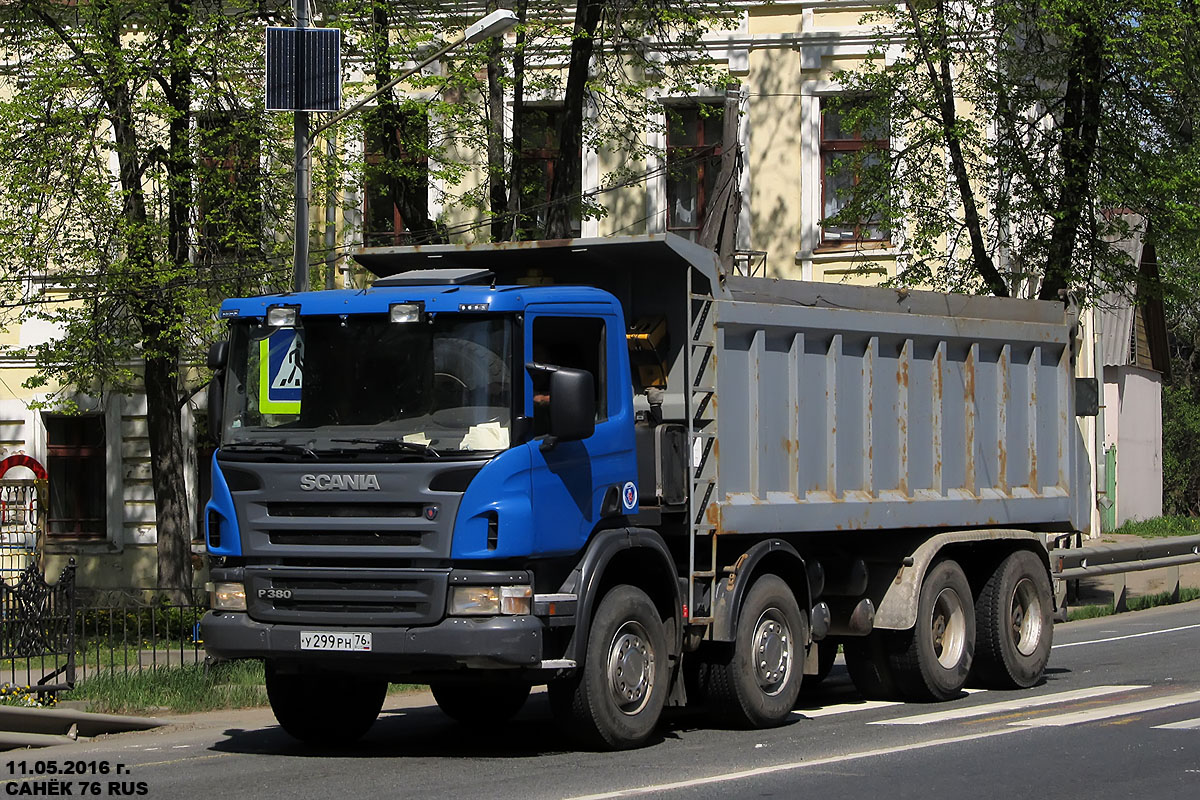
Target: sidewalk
point(1103, 590)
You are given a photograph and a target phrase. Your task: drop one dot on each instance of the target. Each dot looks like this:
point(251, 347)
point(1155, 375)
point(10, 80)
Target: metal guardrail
point(1092, 561)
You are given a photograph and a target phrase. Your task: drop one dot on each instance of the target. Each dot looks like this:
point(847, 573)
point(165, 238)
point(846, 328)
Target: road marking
point(845, 708)
point(816, 762)
point(1108, 712)
point(1127, 636)
point(1182, 725)
point(857, 705)
point(1007, 705)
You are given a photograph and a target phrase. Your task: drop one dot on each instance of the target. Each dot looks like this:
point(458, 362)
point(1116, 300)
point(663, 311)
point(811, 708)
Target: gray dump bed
point(835, 407)
point(844, 407)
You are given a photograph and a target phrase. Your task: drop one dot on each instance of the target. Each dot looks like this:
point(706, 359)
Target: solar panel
point(304, 69)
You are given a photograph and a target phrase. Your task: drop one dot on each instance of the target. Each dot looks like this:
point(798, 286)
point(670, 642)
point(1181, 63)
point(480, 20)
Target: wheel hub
point(772, 651)
point(949, 628)
point(631, 667)
point(1026, 616)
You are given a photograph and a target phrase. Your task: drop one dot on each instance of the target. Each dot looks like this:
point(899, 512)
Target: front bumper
point(454, 643)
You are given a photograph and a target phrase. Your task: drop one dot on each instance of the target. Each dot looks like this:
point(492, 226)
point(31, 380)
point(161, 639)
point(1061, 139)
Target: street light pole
point(302, 161)
point(493, 24)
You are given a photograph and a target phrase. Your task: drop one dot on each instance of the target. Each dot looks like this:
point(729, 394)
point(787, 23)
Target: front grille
point(346, 597)
point(347, 538)
point(408, 510)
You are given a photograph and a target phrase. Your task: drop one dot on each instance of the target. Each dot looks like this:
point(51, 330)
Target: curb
point(66, 722)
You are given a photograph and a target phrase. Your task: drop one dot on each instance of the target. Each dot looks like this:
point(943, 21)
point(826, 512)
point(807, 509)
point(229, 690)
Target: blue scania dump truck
point(612, 468)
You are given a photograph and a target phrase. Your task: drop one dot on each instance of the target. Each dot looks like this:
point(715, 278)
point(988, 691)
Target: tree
point(1022, 133)
point(127, 112)
point(622, 55)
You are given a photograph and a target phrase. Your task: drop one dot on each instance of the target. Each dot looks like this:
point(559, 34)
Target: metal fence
point(37, 630)
point(136, 630)
point(52, 635)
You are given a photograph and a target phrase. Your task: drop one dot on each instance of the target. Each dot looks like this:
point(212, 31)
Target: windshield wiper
point(394, 445)
point(266, 447)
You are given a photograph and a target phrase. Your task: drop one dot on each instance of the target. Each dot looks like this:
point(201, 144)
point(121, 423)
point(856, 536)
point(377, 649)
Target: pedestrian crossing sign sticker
point(281, 372)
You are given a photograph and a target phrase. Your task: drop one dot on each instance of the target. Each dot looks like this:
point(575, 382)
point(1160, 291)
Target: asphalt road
point(1118, 716)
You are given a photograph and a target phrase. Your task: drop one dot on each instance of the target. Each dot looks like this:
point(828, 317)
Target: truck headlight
point(228, 597)
point(490, 600)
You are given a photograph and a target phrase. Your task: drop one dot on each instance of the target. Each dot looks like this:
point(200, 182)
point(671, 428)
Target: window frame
point(692, 151)
point(81, 455)
point(402, 233)
point(854, 144)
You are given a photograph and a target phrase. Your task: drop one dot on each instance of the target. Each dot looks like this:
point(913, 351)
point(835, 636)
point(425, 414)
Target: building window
point(846, 153)
point(693, 162)
point(228, 187)
point(396, 180)
point(75, 461)
point(539, 151)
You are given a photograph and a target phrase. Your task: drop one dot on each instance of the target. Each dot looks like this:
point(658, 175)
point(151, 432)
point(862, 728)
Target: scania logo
point(339, 483)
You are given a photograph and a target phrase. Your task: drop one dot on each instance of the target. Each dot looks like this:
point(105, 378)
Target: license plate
point(353, 641)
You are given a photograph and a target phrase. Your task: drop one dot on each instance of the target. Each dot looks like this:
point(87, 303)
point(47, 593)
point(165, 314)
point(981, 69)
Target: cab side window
point(574, 342)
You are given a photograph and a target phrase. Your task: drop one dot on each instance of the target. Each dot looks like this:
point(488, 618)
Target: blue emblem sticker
point(629, 496)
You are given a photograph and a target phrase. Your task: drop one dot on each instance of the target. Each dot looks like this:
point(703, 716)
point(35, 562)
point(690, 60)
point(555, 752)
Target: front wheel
point(757, 683)
point(1014, 623)
point(933, 660)
point(616, 702)
point(483, 702)
point(325, 710)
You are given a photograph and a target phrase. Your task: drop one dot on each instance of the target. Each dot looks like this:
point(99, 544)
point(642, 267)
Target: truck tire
point(756, 685)
point(1014, 626)
point(615, 701)
point(826, 654)
point(869, 667)
point(325, 709)
point(933, 660)
point(483, 702)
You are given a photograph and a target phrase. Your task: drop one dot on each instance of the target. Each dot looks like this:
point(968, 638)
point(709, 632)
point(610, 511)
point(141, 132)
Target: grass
point(179, 690)
point(1186, 594)
point(1159, 527)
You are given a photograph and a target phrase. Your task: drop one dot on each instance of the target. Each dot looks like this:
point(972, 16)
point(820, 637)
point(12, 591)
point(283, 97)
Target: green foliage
point(181, 690)
point(1029, 137)
point(1160, 527)
point(1186, 595)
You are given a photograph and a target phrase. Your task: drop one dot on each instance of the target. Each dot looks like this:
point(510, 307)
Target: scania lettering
point(325, 483)
point(616, 469)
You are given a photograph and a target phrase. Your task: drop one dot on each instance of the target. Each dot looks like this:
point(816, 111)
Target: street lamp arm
point(493, 24)
point(382, 89)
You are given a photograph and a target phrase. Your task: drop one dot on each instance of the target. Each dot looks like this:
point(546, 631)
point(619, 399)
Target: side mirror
point(218, 354)
point(216, 407)
point(572, 404)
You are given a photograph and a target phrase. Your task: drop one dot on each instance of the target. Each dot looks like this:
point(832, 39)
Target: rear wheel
point(1015, 629)
point(325, 709)
point(757, 683)
point(491, 701)
point(869, 667)
point(933, 660)
point(616, 701)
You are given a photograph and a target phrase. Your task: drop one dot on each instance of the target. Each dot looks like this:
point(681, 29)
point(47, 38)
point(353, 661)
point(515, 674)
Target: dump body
point(842, 408)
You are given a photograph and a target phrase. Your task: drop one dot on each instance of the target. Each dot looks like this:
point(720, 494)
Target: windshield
point(364, 382)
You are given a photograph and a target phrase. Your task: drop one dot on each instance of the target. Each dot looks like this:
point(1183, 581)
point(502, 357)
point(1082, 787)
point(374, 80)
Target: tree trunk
point(512, 220)
point(942, 81)
point(497, 188)
point(1077, 151)
point(166, 473)
point(389, 126)
point(567, 167)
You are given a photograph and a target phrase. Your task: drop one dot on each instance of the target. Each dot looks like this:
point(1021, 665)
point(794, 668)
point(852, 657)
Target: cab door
point(571, 480)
